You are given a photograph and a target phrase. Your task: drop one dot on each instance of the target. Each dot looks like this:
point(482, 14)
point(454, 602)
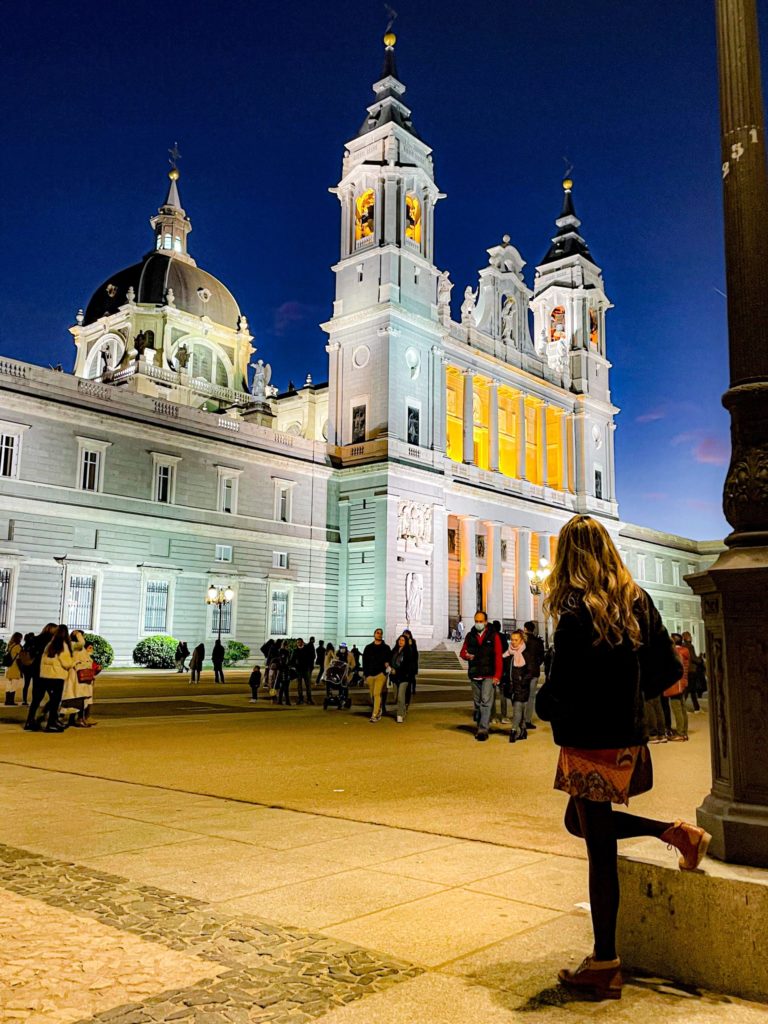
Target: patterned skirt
point(608, 775)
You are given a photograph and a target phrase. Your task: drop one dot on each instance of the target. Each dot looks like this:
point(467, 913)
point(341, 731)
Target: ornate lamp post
point(219, 596)
point(733, 590)
point(537, 577)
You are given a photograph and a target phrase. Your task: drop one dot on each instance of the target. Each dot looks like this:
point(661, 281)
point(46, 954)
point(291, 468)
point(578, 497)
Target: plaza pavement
point(200, 859)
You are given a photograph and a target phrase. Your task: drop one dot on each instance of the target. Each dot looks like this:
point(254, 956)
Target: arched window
point(167, 241)
point(365, 205)
point(413, 219)
point(177, 244)
point(557, 323)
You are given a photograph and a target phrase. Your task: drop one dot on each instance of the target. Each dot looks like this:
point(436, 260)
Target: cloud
point(701, 504)
point(652, 415)
point(289, 314)
point(708, 449)
point(655, 495)
point(664, 411)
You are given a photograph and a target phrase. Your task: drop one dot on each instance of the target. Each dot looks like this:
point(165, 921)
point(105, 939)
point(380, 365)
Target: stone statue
point(554, 353)
point(509, 320)
point(444, 289)
point(104, 360)
point(414, 596)
point(468, 306)
point(140, 343)
point(130, 295)
point(182, 356)
point(242, 324)
point(262, 375)
point(170, 298)
point(414, 522)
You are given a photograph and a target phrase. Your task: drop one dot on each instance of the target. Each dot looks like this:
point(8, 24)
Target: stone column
point(611, 460)
point(494, 589)
point(563, 450)
point(541, 414)
point(523, 597)
point(579, 441)
point(438, 399)
point(469, 416)
point(341, 619)
point(733, 590)
point(521, 436)
point(439, 572)
point(467, 570)
point(493, 427)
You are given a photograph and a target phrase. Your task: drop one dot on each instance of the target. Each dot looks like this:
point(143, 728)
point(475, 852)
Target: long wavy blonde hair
point(588, 568)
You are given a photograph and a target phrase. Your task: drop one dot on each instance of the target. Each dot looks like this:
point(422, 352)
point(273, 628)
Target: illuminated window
point(365, 205)
point(177, 244)
point(413, 219)
point(557, 323)
point(167, 241)
point(593, 328)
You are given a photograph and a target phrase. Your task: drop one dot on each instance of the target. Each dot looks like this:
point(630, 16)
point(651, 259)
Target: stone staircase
point(445, 661)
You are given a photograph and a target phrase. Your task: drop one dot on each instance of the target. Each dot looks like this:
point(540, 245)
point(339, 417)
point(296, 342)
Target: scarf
point(518, 659)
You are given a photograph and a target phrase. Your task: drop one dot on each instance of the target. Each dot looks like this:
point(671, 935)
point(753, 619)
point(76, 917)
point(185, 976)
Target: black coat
point(595, 694)
point(403, 664)
point(517, 681)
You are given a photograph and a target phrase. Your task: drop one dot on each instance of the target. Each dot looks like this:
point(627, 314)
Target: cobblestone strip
point(277, 974)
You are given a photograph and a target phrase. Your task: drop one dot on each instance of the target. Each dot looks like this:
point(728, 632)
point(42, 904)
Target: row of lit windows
point(365, 216)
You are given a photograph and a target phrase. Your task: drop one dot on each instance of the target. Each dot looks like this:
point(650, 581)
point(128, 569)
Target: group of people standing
point(505, 669)
point(57, 664)
point(692, 683)
point(196, 659)
point(396, 667)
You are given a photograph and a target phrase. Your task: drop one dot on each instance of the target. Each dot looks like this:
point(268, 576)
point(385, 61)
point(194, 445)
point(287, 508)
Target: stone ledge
point(706, 928)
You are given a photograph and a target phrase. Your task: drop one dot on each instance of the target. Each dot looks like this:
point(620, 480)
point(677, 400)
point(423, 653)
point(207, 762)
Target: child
point(255, 682)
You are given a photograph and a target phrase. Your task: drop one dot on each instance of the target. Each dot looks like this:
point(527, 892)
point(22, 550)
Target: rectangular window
point(5, 596)
point(480, 546)
point(164, 484)
point(641, 567)
point(278, 613)
point(156, 606)
point(80, 596)
point(89, 470)
point(279, 559)
point(414, 432)
point(659, 570)
point(451, 541)
point(223, 552)
point(358, 424)
point(223, 612)
point(598, 483)
point(9, 455)
point(226, 495)
point(691, 568)
point(284, 504)
point(675, 574)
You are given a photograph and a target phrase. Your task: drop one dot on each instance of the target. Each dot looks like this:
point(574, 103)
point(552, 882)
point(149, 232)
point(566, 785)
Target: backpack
point(26, 658)
point(7, 660)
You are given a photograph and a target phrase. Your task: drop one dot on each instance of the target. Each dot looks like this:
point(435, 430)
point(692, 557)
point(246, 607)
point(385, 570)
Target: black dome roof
point(194, 290)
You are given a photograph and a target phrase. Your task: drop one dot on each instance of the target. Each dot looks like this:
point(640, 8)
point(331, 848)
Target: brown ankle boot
point(597, 979)
point(690, 840)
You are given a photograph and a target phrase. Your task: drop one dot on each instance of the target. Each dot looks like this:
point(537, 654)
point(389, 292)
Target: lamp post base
point(739, 831)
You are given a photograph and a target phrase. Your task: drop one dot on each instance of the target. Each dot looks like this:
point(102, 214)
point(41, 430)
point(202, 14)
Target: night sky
point(261, 98)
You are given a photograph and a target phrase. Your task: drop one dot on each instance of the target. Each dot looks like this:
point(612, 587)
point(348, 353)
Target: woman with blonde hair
point(611, 652)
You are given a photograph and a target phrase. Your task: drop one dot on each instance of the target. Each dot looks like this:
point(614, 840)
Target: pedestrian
point(273, 669)
point(302, 662)
point(402, 672)
point(182, 653)
point(329, 656)
point(13, 674)
point(611, 649)
point(79, 684)
point(55, 663)
point(414, 663)
point(196, 664)
point(482, 652)
point(95, 668)
point(283, 675)
point(254, 681)
point(535, 645)
point(320, 661)
point(676, 693)
point(376, 660)
point(217, 657)
point(39, 688)
point(311, 652)
point(694, 673)
point(356, 671)
point(523, 672)
point(27, 664)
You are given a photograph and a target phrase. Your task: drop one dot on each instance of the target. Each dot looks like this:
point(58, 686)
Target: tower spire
point(171, 223)
point(388, 107)
point(567, 241)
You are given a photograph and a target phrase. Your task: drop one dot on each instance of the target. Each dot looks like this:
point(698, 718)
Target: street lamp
point(538, 577)
point(219, 596)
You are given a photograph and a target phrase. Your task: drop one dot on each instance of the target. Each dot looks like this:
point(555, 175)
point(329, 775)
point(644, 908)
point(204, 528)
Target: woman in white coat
point(14, 679)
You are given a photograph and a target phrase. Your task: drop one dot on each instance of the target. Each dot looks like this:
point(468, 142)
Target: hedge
point(103, 651)
point(156, 652)
point(234, 652)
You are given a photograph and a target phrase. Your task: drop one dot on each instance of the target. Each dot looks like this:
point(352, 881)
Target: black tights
point(600, 827)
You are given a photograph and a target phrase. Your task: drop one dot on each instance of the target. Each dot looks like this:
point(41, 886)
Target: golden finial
point(389, 36)
point(389, 40)
point(567, 184)
point(173, 174)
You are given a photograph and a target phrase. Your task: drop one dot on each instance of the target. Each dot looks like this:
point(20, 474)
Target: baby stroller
point(337, 685)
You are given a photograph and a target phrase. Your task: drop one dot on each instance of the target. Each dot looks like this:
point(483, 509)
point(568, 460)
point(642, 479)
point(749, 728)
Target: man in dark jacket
point(482, 652)
point(217, 657)
point(376, 660)
point(320, 661)
point(534, 645)
point(302, 662)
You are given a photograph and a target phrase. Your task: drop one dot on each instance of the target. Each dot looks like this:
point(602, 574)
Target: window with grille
point(222, 614)
point(9, 451)
point(5, 596)
point(80, 597)
point(156, 606)
point(278, 615)
point(89, 470)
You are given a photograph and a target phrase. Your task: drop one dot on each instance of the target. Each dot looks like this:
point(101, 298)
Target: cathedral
point(428, 477)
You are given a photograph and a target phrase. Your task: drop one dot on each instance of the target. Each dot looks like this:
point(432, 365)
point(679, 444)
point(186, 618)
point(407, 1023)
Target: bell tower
point(384, 325)
point(569, 306)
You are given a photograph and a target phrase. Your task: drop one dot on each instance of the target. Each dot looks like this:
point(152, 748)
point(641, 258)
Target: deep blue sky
point(261, 97)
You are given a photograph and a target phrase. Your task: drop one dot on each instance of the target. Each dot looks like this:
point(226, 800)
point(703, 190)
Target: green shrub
point(234, 652)
point(156, 652)
point(103, 651)
point(3, 649)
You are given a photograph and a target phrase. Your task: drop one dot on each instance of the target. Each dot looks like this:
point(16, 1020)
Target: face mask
point(479, 627)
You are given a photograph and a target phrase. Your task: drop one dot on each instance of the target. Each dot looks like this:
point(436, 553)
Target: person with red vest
point(676, 692)
point(482, 652)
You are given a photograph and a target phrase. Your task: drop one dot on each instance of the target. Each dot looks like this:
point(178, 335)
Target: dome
point(194, 290)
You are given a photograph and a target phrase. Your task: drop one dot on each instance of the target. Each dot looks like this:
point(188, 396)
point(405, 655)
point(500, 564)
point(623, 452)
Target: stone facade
point(427, 477)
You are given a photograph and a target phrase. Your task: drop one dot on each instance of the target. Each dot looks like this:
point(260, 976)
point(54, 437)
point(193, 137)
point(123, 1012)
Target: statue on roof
point(262, 375)
point(468, 306)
